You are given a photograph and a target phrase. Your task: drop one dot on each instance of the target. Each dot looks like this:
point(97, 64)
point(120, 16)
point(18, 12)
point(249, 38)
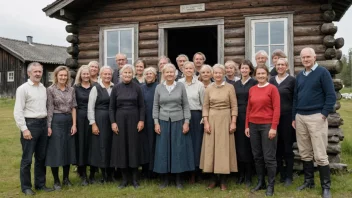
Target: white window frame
point(288, 37)
point(103, 42)
point(50, 76)
point(9, 79)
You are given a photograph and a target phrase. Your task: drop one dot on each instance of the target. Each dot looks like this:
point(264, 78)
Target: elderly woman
point(98, 116)
point(93, 71)
point(263, 114)
point(219, 113)
point(127, 115)
point(139, 66)
point(171, 114)
point(61, 105)
point(275, 56)
point(231, 69)
point(82, 88)
point(195, 94)
point(163, 60)
point(206, 75)
point(286, 134)
point(243, 145)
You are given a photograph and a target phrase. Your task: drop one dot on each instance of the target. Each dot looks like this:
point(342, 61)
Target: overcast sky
point(21, 18)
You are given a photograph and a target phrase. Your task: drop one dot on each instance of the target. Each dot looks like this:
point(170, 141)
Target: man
point(261, 57)
point(30, 115)
point(180, 60)
point(121, 60)
point(314, 98)
point(163, 60)
point(198, 60)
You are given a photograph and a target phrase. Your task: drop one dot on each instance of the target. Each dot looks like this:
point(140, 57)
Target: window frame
point(103, 42)
point(13, 76)
point(288, 37)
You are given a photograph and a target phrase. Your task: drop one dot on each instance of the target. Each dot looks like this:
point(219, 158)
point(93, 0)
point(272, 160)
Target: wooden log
point(338, 167)
point(308, 40)
point(325, 7)
point(338, 95)
point(148, 27)
point(334, 120)
point(333, 148)
point(89, 46)
point(317, 48)
point(338, 84)
point(148, 52)
point(333, 66)
point(334, 158)
point(72, 39)
point(91, 54)
point(328, 28)
point(73, 50)
point(73, 73)
point(148, 35)
point(238, 58)
point(311, 30)
point(339, 43)
point(148, 44)
point(334, 139)
point(234, 42)
point(305, 18)
point(338, 54)
point(82, 61)
point(329, 41)
point(319, 57)
point(337, 106)
point(329, 15)
point(298, 165)
point(336, 132)
point(150, 60)
point(88, 38)
point(234, 33)
point(71, 63)
point(330, 53)
point(72, 29)
point(231, 51)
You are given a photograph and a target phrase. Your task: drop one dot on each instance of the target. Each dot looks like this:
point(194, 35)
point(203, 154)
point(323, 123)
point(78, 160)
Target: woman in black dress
point(243, 145)
point(127, 115)
point(286, 134)
point(98, 116)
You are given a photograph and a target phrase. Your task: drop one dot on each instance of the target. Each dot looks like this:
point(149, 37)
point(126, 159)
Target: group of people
point(193, 119)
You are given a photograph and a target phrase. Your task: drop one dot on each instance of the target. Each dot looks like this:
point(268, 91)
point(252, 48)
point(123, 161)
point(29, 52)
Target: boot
point(124, 183)
point(308, 169)
point(214, 182)
point(289, 172)
point(165, 179)
point(248, 174)
point(241, 168)
point(179, 182)
point(271, 181)
point(325, 181)
point(135, 178)
point(223, 186)
point(66, 171)
point(261, 178)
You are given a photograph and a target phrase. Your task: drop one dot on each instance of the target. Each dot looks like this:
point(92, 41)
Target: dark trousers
point(263, 149)
point(36, 146)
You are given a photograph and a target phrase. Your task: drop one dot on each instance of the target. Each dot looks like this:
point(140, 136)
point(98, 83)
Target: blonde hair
point(167, 66)
point(286, 63)
point(220, 66)
point(182, 55)
point(189, 63)
point(149, 69)
point(105, 67)
point(56, 72)
point(93, 63)
point(127, 66)
point(204, 67)
point(78, 79)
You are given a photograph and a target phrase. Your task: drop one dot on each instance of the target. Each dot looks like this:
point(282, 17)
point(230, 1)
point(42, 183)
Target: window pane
point(130, 61)
point(112, 63)
point(275, 47)
point(277, 33)
point(112, 43)
point(126, 42)
point(261, 33)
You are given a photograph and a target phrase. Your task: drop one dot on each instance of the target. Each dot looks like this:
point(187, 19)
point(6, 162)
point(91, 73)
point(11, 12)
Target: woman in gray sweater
point(171, 114)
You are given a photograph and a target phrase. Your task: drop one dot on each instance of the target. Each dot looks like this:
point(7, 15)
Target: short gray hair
point(105, 67)
point(182, 55)
point(93, 63)
point(29, 68)
point(204, 67)
point(163, 57)
point(121, 54)
point(127, 66)
point(261, 52)
point(220, 66)
point(149, 69)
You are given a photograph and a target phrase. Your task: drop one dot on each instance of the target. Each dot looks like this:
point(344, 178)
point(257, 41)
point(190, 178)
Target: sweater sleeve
point(294, 105)
point(185, 104)
point(275, 99)
point(330, 96)
point(249, 108)
point(233, 101)
point(112, 105)
point(156, 107)
point(206, 103)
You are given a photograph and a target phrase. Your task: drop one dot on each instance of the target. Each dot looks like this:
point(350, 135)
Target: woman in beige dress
point(218, 154)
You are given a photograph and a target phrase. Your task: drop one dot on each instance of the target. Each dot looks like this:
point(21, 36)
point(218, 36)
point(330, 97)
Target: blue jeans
point(36, 146)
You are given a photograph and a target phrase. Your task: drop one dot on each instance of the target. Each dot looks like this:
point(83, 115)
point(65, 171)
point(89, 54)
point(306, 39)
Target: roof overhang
point(13, 53)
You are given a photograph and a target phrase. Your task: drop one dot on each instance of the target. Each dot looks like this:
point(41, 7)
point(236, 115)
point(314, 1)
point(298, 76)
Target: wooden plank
point(148, 35)
point(89, 46)
point(311, 30)
point(234, 33)
point(91, 54)
point(88, 38)
point(307, 40)
point(317, 48)
point(231, 51)
point(233, 42)
point(148, 52)
point(148, 44)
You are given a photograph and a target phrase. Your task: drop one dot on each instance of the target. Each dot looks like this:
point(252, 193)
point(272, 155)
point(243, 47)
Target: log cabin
point(16, 55)
point(221, 29)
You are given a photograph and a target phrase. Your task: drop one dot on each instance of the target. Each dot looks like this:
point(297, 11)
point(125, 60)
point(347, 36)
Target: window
point(10, 76)
point(50, 76)
point(269, 33)
point(119, 39)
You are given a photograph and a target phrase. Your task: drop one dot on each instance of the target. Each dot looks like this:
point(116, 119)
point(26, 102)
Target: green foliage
point(345, 74)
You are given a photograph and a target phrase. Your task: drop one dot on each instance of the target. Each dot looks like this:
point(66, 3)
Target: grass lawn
point(10, 156)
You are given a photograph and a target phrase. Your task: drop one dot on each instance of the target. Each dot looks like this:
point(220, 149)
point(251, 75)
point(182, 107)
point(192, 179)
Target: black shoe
point(123, 185)
point(165, 181)
point(325, 181)
point(326, 193)
point(29, 192)
point(66, 182)
point(45, 189)
point(92, 180)
point(57, 186)
point(308, 169)
point(84, 182)
point(269, 191)
point(288, 182)
point(261, 179)
point(135, 184)
point(240, 180)
point(271, 181)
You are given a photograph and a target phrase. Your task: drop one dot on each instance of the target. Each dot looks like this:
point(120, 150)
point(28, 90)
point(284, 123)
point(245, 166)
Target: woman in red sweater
point(263, 114)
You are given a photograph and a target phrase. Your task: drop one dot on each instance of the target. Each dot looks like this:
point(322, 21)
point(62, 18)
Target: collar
point(57, 87)
point(31, 83)
point(313, 68)
point(102, 84)
point(222, 84)
point(243, 83)
point(261, 86)
point(173, 84)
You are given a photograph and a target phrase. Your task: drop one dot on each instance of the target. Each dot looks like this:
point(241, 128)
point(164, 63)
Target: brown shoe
point(211, 185)
point(223, 187)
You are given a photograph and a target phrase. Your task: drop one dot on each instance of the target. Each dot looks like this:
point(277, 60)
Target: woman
point(286, 134)
point(82, 89)
point(148, 134)
point(171, 114)
point(275, 56)
point(206, 75)
point(263, 113)
point(98, 116)
point(61, 105)
point(231, 69)
point(243, 145)
point(219, 113)
point(93, 71)
point(127, 120)
point(139, 66)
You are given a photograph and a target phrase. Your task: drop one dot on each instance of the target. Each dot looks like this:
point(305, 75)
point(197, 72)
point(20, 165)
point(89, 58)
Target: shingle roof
point(37, 52)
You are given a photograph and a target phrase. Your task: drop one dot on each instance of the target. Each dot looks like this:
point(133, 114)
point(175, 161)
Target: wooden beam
point(67, 14)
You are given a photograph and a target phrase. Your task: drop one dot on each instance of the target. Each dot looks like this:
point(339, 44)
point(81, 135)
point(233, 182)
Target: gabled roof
point(37, 52)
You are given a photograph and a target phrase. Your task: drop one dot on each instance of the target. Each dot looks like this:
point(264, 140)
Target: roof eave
point(13, 53)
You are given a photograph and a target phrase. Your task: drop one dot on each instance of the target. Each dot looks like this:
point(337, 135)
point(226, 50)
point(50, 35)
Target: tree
point(345, 74)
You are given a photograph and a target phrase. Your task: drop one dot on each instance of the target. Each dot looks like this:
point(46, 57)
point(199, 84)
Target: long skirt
point(61, 147)
point(125, 151)
point(196, 131)
point(147, 141)
point(243, 144)
point(218, 149)
point(100, 149)
point(83, 138)
point(173, 149)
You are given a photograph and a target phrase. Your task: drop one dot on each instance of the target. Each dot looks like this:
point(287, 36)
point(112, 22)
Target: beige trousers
point(312, 138)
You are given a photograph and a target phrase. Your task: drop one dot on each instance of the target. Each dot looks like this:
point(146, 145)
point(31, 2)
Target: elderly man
point(181, 59)
point(163, 60)
point(121, 60)
point(30, 115)
point(198, 60)
point(261, 57)
point(314, 98)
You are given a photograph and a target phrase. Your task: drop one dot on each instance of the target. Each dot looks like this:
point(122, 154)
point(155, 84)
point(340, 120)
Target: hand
point(49, 132)
point(294, 124)
point(140, 126)
point(95, 129)
point(185, 128)
point(207, 127)
point(73, 130)
point(115, 128)
point(272, 134)
point(27, 134)
point(157, 129)
point(323, 117)
point(232, 127)
point(246, 131)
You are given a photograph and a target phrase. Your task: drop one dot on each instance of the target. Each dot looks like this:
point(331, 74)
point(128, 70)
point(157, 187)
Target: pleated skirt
point(61, 146)
point(196, 130)
point(243, 144)
point(173, 149)
point(83, 138)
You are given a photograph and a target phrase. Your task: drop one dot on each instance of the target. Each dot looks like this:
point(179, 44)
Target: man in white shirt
point(30, 115)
